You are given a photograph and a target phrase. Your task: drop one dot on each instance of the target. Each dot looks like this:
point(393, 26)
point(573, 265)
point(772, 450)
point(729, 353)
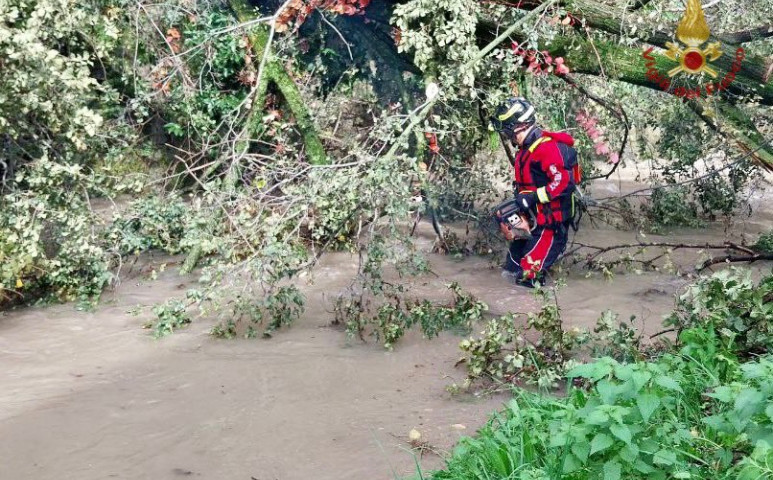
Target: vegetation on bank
point(701, 409)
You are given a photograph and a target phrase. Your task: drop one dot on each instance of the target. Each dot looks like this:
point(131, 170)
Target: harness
point(576, 203)
point(536, 143)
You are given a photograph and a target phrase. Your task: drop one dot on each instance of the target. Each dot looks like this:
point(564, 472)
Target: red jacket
point(540, 167)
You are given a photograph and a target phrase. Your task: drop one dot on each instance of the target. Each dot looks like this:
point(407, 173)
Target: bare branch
point(748, 35)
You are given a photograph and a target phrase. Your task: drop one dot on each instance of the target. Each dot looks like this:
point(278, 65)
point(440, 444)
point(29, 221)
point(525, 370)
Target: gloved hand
point(526, 200)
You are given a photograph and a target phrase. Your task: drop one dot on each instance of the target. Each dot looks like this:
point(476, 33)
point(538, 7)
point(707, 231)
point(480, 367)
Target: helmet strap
point(528, 129)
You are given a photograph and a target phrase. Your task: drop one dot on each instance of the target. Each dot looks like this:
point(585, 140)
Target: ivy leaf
point(600, 442)
point(612, 470)
point(647, 403)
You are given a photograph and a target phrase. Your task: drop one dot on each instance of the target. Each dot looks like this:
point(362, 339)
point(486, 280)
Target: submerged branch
point(736, 258)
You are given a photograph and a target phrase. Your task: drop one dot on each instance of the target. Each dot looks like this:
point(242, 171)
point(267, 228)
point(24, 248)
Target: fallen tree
point(603, 40)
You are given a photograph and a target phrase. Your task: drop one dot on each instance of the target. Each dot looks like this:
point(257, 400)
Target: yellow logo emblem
point(693, 31)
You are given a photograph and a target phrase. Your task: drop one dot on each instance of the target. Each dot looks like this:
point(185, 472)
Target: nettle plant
point(693, 411)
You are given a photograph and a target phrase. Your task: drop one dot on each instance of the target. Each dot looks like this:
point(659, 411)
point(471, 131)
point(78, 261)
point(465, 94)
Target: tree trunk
point(629, 65)
point(274, 73)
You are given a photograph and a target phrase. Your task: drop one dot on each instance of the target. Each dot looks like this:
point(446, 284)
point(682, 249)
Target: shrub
point(272, 312)
point(150, 223)
point(730, 303)
point(694, 412)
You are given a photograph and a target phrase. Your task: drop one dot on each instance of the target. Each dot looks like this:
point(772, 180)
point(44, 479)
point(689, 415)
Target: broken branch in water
point(590, 259)
point(735, 258)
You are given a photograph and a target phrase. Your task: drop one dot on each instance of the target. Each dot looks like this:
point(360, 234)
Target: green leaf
point(647, 403)
point(600, 442)
point(594, 371)
point(630, 453)
point(643, 467)
point(597, 417)
point(581, 450)
point(769, 411)
point(571, 464)
point(722, 393)
point(664, 457)
point(607, 391)
point(612, 470)
point(558, 440)
point(586, 370)
point(749, 401)
point(668, 383)
point(640, 379)
point(622, 432)
point(682, 475)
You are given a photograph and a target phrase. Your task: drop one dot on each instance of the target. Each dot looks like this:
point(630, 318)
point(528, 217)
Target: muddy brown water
point(92, 396)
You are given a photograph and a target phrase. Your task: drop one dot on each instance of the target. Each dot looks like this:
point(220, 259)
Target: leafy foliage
point(152, 223)
point(47, 243)
point(171, 316)
point(392, 320)
point(439, 34)
point(59, 141)
point(638, 420)
point(696, 411)
point(671, 206)
point(274, 311)
point(47, 104)
point(764, 243)
point(730, 303)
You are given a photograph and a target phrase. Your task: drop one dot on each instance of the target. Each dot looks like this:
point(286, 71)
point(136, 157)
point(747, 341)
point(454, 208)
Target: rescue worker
point(545, 178)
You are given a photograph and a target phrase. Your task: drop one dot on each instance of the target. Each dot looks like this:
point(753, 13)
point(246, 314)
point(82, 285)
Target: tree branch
point(275, 73)
point(599, 16)
point(616, 110)
point(748, 35)
point(598, 251)
point(738, 127)
point(736, 258)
